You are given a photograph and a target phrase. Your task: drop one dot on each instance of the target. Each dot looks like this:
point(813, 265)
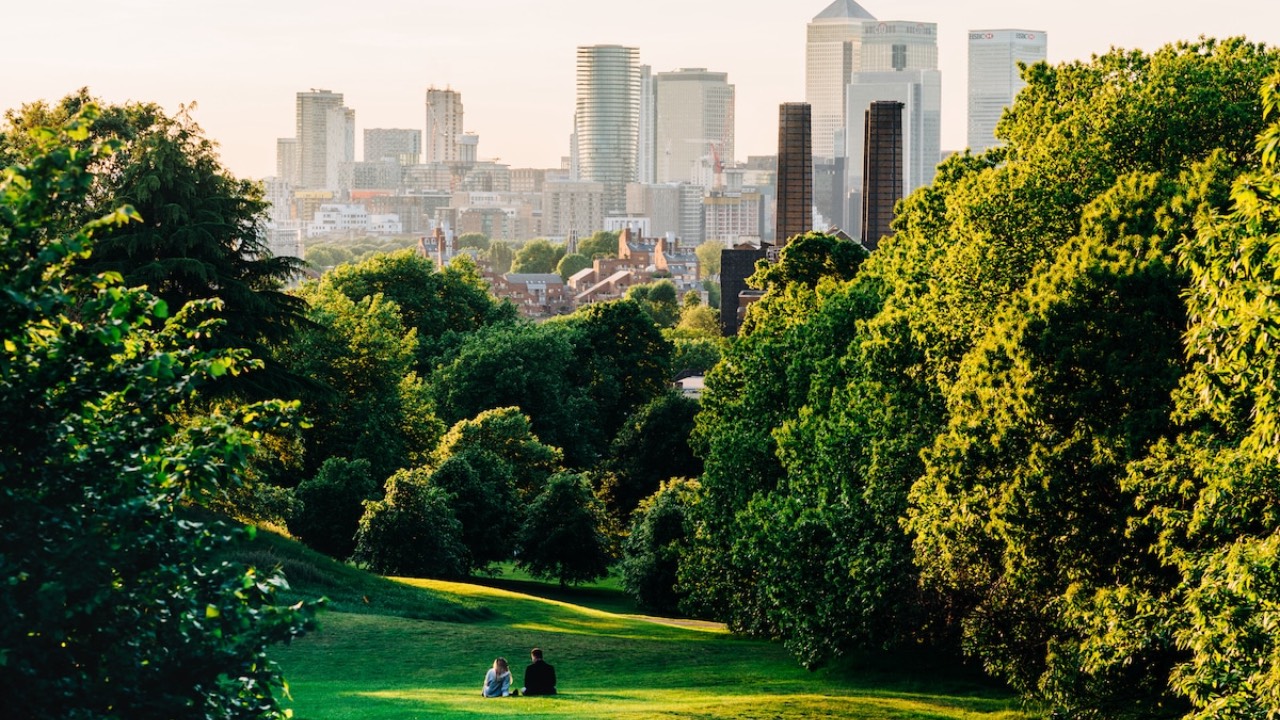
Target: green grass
point(385, 662)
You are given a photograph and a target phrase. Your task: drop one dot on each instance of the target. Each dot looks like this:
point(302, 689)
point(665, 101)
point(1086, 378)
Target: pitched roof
point(844, 9)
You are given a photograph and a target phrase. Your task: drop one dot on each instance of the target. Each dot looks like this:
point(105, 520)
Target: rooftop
point(844, 9)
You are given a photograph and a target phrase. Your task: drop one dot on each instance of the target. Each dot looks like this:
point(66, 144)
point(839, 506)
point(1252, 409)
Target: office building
point(573, 209)
point(444, 125)
point(287, 160)
point(882, 169)
point(399, 145)
point(833, 51)
point(795, 172)
point(340, 147)
point(994, 77)
point(606, 119)
point(646, 145)
point(695, 125)
point(317, 162)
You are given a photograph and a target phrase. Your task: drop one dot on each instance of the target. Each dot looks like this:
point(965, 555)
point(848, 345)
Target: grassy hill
point(412, 648)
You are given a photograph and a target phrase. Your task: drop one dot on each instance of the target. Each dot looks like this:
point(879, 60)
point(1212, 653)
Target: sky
point(513, 61)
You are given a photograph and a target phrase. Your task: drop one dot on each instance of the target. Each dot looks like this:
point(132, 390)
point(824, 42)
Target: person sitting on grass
point(540, 677)
point(497, 682)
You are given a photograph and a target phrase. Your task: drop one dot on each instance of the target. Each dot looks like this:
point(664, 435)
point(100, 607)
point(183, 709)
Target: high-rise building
point(882, 169)
point(404, 146)
point(340, 147)
point(899, 64)
point(646, 145)
point(695, 125)
point(287, 160)
point(795, 172)
point(573, 209)
point(444, 125)
point(994, 78)
point(606, 119)
point(315, 109)
point(833, 52)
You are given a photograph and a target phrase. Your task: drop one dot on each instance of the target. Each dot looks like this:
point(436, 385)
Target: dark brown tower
point(881, 170)
point(795, 172)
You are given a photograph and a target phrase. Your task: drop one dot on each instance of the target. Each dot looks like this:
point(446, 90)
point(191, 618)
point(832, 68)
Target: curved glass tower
point(606, 121)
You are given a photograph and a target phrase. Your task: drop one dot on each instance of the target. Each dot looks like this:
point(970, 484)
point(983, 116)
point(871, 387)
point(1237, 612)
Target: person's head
point(500, 665)
point(536, 654)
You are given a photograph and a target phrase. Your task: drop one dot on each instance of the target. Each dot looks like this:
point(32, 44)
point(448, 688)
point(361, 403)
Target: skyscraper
point(287, 160)
point(994, 78)
point(606, 119)
point(833, 52)
point(444, 125)
point(900, 64)
point(340, 146)
point(399, 144)
point(795, 172)
point(646, 168)
point(881, 169)
point(315, 109)
point(695, 124)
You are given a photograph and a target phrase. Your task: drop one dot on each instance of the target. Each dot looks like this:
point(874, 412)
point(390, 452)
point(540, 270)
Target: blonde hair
point(500, 665)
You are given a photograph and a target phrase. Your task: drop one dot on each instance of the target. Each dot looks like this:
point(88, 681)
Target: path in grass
point(610, 665)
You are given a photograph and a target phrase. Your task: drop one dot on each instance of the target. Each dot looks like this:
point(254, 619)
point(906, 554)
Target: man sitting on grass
point(540, 677)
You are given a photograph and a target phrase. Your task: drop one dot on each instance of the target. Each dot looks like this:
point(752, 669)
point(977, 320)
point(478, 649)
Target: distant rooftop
point(844, 9)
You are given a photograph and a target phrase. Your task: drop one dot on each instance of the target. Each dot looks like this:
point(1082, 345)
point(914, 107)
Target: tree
point(480, 241)
point(603, 243)
point(500, 256)
point(412, 531)
point(698, 321)
point(442, 306)
point(116, 603)
point(709, 258)
point(652, 446)
point(651, 553)
point(561, 537)
point(525, 366)
point(200, 235)
point(537, 256)
point(332, 503)
point(571, 264)
point(658, 299)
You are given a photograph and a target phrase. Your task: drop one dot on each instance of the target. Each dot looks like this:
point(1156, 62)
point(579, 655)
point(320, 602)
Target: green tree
point(374, 406)
point(411, 531)
point(603, 243)
point(571, 264)
point(652, 446)
point(659, 299)
point(651, 553)
point(331, 504)
point(442, 306)
point(480, 241)
point(537, 256)
point(562, 536)
point(200, 234)
point(526, 366)
point(709, 258)
point(115, 602)
point(695, 354)
point(500, 256)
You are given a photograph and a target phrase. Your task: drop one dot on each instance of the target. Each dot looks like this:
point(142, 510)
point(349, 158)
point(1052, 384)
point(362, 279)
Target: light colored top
point(496, 685)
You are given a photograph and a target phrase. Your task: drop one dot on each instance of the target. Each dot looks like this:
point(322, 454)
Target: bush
point(651, 553)
point(331, 504)
point(412, 531)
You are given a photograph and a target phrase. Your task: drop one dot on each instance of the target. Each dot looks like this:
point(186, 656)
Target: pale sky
point(242, 61)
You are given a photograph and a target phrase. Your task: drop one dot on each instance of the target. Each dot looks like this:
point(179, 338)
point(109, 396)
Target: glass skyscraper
point(606, 120)
point(994, 78)
point(833, 52)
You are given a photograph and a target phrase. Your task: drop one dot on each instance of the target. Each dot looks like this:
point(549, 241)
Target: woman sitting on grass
point(497, 682)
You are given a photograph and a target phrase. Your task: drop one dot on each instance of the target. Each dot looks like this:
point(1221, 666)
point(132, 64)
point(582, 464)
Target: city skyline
point(513, 62)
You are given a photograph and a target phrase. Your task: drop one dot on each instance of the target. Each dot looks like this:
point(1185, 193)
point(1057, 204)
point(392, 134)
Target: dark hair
point(536, 652)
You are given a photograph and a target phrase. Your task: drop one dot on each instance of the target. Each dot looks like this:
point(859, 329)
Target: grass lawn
point(384, 657)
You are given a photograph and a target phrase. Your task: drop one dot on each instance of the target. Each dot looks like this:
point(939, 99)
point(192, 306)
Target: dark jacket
point(540, 679)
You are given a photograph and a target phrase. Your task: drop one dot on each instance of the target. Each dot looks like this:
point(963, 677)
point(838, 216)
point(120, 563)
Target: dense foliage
point(114, 602)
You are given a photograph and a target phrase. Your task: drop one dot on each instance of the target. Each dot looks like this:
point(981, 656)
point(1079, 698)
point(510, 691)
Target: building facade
point(795, 172)
point(882, 169)
point(833, 52)
point(400, 145)
point(994, 77)
point(316, 109)
point(606, 119)
point(695, 125)
point(444, 125)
